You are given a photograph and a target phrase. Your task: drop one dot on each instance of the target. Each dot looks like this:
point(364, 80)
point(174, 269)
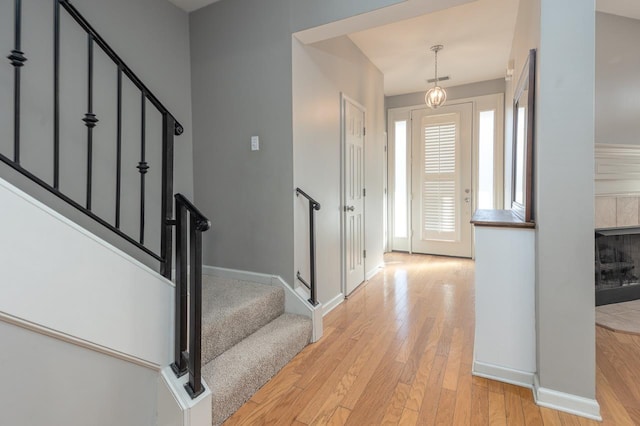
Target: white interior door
point(441, 181)
point(353, 207)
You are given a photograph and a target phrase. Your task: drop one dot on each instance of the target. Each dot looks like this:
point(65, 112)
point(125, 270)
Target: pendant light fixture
point(436, 96)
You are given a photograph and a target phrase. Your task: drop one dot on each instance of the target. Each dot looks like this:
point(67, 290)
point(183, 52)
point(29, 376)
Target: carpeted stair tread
point(238, 373)
point(233, 310)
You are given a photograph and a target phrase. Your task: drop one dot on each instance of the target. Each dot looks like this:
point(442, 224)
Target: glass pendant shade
point(435, 97)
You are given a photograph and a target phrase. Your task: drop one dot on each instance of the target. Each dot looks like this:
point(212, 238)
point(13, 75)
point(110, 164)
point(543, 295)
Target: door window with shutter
point(439, 189)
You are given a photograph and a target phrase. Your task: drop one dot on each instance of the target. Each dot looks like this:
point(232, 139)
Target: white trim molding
point(569, 403)
point(374, 271)
point(503, 374)
point(64, 337)
point(294, 302)
point(332, 304)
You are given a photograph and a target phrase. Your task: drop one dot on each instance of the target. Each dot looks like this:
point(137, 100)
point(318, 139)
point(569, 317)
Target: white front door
point(441, 180)
point(353, 127)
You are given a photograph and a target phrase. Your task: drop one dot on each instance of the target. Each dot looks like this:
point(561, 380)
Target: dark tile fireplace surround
point(617, 265)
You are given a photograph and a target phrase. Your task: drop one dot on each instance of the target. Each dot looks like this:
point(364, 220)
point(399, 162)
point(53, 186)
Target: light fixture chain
point(436, 67)
point(436, 96)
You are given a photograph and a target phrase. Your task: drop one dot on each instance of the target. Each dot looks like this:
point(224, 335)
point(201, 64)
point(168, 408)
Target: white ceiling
point(476, 36)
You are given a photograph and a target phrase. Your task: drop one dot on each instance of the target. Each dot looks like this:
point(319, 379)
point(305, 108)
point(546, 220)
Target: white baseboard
point(236, 274)
point(569, 403)
point(303, 292)
point(294, 302)
point(503, 374)
point(332, 304)
point(372, 273)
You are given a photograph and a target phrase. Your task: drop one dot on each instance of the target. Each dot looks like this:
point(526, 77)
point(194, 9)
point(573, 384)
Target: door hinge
point(364, 192)
point(364, 254)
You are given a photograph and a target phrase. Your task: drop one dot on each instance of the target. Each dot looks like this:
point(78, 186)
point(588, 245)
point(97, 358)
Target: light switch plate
point(255, 143)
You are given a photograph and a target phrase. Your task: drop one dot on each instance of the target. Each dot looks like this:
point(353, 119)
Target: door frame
point(343, 223)
point(460, 242)
point(479, 103)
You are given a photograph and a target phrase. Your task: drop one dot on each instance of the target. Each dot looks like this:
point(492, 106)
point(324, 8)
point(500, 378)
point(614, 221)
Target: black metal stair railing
point(311, 285)
point(171, 128)
point(189, 222)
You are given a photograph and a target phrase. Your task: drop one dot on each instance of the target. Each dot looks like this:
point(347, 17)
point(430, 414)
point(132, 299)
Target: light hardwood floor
point(399, 351)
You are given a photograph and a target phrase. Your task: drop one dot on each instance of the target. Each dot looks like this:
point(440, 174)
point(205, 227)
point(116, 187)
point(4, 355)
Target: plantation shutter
point(439, 189)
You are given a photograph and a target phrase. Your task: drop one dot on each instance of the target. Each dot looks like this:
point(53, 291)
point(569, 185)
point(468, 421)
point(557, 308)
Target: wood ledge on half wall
point(500, 218)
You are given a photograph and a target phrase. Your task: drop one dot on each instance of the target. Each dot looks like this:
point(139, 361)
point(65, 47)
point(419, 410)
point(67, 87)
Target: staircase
point(246, 339)
point(234, 334)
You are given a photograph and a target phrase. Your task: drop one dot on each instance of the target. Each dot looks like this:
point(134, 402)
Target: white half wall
point(505, 337)
point(322, 71)
point(61, 280)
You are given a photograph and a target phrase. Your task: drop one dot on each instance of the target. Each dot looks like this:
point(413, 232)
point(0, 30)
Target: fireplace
point(617, 265)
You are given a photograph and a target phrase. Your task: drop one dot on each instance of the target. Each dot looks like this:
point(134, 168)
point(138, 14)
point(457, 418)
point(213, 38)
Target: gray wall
point(152, 37)
point(617, 80)
point(565, 197)
point(563, 33)
point(50, 382)
point(321, 72)
point(454, 92)
point(241, 74)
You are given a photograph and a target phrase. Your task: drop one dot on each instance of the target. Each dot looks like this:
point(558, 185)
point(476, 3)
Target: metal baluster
point(56, 94)
point(312, 252)
point(194, 386)
point(89, 119)
point(17, 60)
point(119, 148)
point(142, 165)
point(313, 206)
point(180, 364)
point(168, 124)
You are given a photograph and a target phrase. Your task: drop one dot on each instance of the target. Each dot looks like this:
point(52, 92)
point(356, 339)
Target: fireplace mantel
point(625, 230)
point(617, 185)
